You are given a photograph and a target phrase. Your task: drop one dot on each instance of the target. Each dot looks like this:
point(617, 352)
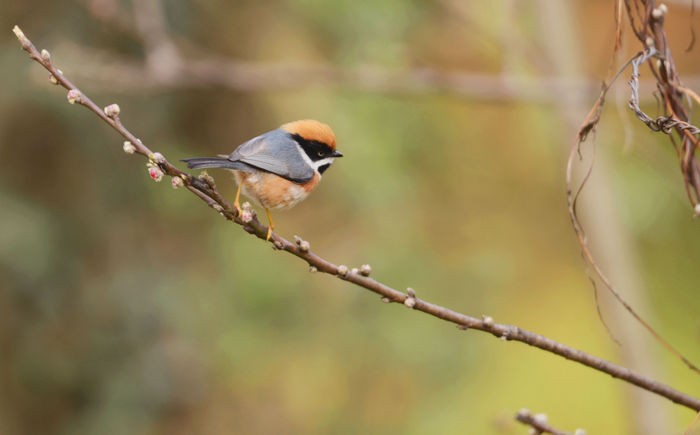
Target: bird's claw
point(237, 206)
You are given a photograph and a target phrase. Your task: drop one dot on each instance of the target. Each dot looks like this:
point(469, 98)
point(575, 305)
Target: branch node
point(313, 269)
point(206, 178)
point(540, 418)
point(462, 327)
point(176, 182)
point(128, 147)
point(696, 210)
point(74, 96)
point(365, 270)
point(22, 39)
point(247, 213)
point(303, 245)
point(155, 157)
point(155, 172)
point(112, 110)
point(45, 56)
point(386, 300)
point(342, 270)
point(53, 79)
point(410, 302)
point(278, 245)
point(659, 12)
point(487, 321)
point(523, 413)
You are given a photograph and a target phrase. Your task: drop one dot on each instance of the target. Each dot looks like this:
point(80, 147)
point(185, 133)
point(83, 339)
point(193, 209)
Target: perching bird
point(278, 169)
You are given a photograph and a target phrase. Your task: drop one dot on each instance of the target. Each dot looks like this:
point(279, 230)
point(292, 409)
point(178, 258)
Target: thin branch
point(204, 188)
point(539, 423)
point(167, 67)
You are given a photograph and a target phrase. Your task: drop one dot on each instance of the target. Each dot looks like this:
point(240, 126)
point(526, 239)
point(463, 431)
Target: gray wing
point(274, 152)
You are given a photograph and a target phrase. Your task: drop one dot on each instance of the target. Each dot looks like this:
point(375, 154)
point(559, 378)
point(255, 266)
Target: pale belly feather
point(273, 192)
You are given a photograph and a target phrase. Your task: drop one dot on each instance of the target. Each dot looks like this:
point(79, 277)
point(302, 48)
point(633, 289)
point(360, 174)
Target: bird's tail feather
point(214, 162)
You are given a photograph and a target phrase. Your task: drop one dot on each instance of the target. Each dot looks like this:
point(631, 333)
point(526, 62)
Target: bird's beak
point(337, 154)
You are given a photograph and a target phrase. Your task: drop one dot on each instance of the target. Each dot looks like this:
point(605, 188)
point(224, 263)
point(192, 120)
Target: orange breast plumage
point(274, 192)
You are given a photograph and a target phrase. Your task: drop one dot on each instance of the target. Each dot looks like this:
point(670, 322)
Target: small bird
point(278, 169)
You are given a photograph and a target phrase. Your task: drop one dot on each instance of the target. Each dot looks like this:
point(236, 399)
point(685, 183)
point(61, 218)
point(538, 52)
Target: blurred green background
point(127, 307)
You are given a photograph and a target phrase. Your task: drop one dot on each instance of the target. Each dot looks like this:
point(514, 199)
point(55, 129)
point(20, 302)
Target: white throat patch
point(317, 164)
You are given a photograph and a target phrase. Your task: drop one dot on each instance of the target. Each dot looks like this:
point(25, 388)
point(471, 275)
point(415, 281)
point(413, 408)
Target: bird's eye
point(319, 153)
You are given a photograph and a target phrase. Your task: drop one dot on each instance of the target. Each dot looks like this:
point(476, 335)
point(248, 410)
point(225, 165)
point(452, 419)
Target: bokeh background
point(127, 307)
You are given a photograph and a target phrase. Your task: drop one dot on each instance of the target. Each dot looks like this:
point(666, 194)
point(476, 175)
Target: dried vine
point(646, 21)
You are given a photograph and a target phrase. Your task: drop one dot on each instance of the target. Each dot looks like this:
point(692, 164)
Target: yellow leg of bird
point(237, 201)
point(272, 225)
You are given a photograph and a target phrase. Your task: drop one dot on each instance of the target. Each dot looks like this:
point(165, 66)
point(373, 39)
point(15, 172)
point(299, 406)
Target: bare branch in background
point(162, 56)
point(204, 188)
point(104, 71)
point(166, 68)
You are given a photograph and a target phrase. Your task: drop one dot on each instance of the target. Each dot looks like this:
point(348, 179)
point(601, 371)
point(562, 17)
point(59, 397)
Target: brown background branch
point(103, 71)
point(166, 67)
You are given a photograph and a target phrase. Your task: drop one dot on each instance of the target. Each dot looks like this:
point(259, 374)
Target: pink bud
point(246, 215)
point(112, 110)
point(155, 173)
point(157, 157)
point(74, 96)
point(177, 182)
